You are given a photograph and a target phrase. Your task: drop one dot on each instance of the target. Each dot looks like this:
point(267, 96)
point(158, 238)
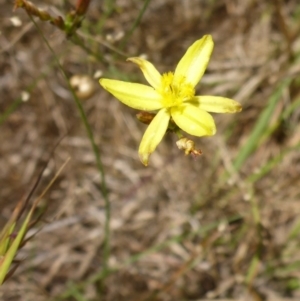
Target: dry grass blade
point(10, 244)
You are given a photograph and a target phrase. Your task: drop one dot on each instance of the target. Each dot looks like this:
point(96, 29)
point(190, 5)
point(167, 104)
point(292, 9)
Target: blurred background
point(223, 226)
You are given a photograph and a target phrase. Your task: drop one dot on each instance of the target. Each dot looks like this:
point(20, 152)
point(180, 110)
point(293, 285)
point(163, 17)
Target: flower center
point(175, 90)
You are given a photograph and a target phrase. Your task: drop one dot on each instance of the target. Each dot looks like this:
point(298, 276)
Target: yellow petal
point(193, 64)
point(153, 135)
point(216, 104)
point(150, 72)
point(193, 120)
point(137, 96)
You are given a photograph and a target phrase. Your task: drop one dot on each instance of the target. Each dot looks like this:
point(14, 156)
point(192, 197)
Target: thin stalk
point(103, 186)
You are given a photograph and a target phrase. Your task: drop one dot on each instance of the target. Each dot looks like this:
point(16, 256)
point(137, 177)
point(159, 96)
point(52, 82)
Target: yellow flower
point(173, 95)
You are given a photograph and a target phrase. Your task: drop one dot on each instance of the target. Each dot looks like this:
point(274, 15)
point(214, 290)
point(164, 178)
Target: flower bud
point(82, 6)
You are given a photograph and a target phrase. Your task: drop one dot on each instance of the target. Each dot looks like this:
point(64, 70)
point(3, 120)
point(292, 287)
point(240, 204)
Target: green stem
point(104, 192)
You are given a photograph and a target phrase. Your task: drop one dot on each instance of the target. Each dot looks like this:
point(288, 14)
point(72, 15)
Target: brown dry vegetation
point(181, 229)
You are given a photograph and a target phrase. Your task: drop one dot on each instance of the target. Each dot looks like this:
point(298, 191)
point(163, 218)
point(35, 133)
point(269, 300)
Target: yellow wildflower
point(173, 95)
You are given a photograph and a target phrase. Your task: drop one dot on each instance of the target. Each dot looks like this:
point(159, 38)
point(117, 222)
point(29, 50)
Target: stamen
point(175, 90)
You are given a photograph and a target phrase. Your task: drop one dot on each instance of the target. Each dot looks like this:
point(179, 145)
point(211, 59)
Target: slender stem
point(103, 186)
